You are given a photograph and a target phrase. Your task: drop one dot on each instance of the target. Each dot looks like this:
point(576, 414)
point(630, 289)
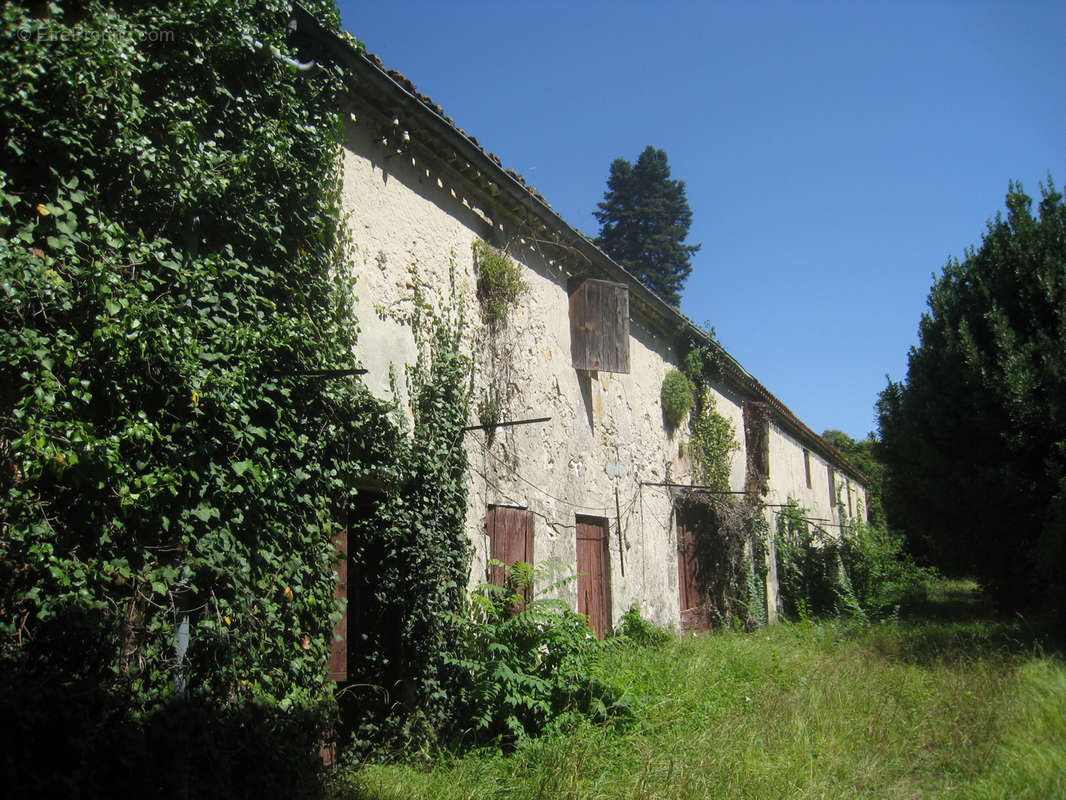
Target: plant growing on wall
point(712, 444)
point(677, 398)
point(730, 536)
point(730, 533)
point(499, 282)
point(409, 556)
point(175, 465)
point(500, 286)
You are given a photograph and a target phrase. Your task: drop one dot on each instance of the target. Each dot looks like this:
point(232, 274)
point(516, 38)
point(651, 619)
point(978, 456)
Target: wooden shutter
point(338, 651)
point(807, 467)
point(593, 598)
point(599, 326)
point(757, 447)
point(831, 474)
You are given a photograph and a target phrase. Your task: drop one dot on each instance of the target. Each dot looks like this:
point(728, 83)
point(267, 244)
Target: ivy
point(730, 532)
point(713, 443)
point(409, 556)
point(169, 262)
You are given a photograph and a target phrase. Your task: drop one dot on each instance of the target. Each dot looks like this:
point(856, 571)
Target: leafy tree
point(974, 440)
point(644, 219)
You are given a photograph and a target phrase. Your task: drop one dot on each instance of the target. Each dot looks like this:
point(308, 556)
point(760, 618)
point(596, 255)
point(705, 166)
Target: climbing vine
point(500, 287)
point(713, 438)
point(730, 548)
point(409, 556)
point(175, 457)
point(730, 532)
point(713, 443)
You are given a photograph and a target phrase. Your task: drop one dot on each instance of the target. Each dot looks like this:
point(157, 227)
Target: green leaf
point(204, 512)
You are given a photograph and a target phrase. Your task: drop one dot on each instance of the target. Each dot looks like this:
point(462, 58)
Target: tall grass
point(956, 704)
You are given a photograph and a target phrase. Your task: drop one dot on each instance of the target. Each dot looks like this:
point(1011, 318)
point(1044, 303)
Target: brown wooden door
point(338, 650)
point(510, 533)
point(687, 567)
point(690, 586)
point(593, 594)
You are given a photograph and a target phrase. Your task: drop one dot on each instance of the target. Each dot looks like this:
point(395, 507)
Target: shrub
point(863, 572)
point(637, 630)
point(677, 397)
point(522, 671)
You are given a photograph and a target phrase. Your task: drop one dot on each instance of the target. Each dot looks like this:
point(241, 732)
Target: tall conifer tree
point(974, 440)
point(644, 219)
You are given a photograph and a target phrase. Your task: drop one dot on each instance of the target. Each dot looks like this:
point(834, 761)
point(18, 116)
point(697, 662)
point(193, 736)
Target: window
point(807, 466)
point(599, 326)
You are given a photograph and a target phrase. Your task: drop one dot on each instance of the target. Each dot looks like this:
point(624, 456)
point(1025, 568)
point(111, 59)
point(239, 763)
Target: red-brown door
point(510, 533)
point(593, 595)
point(338, 651)
point(693, 603)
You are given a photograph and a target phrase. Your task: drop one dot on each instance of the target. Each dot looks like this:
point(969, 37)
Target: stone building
point(593, 485)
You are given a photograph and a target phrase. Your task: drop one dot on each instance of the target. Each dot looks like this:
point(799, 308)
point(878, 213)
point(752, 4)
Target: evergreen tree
point(974, 441)
point(644, 219)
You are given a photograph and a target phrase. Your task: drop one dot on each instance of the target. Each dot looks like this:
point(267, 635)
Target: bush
point(863, 572)
point(523, 671)
point(677, 397)
point(641, 632)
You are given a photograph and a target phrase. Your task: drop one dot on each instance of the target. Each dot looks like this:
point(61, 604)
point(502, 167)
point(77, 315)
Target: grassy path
point(953, 704)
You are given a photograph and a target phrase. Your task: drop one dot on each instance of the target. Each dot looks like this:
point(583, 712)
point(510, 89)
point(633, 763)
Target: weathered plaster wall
point(411, 225)
point(788, 479)
point(606, 431)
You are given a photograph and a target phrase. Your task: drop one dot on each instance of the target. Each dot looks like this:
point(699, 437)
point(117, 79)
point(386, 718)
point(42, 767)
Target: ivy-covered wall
point(179, 437)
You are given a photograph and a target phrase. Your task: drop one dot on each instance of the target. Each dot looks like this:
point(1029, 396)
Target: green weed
point(931, 707)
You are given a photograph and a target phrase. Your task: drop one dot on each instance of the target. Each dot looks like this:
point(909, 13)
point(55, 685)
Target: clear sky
point(834, 154)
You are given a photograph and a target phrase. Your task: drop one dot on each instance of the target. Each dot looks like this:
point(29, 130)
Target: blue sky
point(834, 154)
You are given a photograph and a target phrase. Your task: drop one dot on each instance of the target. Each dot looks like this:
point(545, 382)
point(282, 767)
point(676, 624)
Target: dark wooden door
point(687, 567)
point(338, 651)
point(593, 592)
point(694, 605)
